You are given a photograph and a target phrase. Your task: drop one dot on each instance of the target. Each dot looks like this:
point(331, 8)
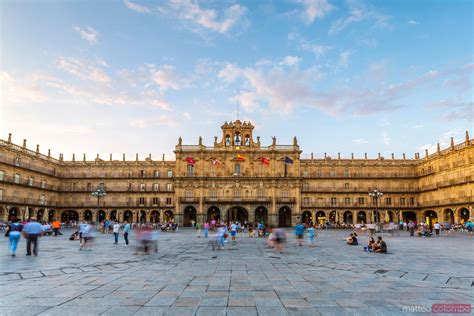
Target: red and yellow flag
point(240, 157)
point(265, 161)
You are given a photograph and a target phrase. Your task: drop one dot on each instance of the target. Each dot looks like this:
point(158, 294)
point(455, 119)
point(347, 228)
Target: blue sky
point(132, 76)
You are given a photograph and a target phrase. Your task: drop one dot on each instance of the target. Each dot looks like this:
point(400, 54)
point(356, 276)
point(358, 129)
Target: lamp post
point(98, 193)
point(375, 194)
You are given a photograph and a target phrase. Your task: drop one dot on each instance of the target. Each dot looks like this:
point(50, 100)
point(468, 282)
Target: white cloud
point(88, 34)
point(13, 90)
point(208, 18)
point(413, 22)
point(166, 77)
point(343, 60)
point(317, 49)
point(229, 73)
point(85, 70)
point(359, 13)
point(290, 61)
point(136, 7)
point(360, 141)
point(313, 9)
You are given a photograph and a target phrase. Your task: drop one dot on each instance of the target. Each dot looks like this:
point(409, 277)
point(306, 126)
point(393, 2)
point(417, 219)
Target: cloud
point(88, 34)
point(386, 138)
point(137, 8)
point(162, 120)
point(166, 77)
point(358, 13)
point(462, 112)
point(343, 60)
point(208, 18)
point(85, 70)
point(290, 61)
point(317, 49)
point(313, 9)
point(15, 90)
point(360, 141)
point(413, 22)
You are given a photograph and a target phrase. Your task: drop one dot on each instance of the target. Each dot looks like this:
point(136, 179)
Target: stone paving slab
point(187, 278)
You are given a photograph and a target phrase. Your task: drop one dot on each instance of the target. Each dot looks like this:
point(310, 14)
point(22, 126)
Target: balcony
point(189, 200)
point(312, 189)
point(286, 200)
point(8, 199)
point(231, 199)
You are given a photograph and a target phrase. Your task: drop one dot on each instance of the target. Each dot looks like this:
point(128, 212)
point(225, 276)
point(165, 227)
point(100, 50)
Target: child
point(311, 235)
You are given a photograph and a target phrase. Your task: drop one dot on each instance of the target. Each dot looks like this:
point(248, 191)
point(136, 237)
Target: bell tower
point(237, 134)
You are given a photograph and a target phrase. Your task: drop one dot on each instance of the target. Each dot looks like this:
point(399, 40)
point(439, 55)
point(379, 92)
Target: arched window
point(237, 139)
point(227, 140)
point(247, 140)
point(237, 169)
point(190, 170)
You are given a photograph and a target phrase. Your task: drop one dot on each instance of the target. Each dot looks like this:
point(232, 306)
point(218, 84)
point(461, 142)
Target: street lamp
point(98, 193)
point(375, 194)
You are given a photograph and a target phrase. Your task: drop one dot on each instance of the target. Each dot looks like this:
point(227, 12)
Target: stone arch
point(113, 215)
point(13, 212)
point(51, 215)
point(409, 216)
point(306, 217)
point(237, 213)
point(347, 217)
point(284, 216)
point(464, 215)
point(190, 215)
point(320, 217)
point(361, 217)
point(142, 216)
point(448, 215)
point(431, 217)
point(168, 215)
point(213, 213)
point(40, 215)
point(102, 215)
point(154, 216)
point(69, 215)
point(87, 215)
point(261, 215)
point(377, 218)
point(332, 216)
point(128, 216)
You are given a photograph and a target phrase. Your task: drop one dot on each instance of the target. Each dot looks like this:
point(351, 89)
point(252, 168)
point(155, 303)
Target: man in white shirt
point(437, 228)
point(116, 232)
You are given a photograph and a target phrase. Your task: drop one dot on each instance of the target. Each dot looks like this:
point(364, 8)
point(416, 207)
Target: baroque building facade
point(239, 179)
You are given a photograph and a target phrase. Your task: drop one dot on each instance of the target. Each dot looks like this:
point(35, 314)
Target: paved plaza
point(187, 278)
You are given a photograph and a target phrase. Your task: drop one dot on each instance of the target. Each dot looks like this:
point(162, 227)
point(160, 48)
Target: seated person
point(352, 239)
point(74, 236)
point(380, 246)
point(370, 245)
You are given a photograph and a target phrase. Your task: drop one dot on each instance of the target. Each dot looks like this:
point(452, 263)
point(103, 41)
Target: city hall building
point(239, 178)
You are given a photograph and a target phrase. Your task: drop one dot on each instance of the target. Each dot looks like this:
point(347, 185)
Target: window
point(157, 173)
point(17, 178)
point(332, 173)
point(169, 201)
point(42, 199)
point(236, 169)
point(190, 170)
point(141, 201)
point(319, 174)
point(156, 201)
point(285, 194)
point(30, 181)
point(346, 173)
point(89, 186)
point(333, 201)
point(261, 194)
point(74, 186)
point(347, 200)
point(1, 194)
point(346, 186)
point(142, 187)
point(43, 184)
point(306, 200)
point(129, 186)
point(130, 173)
point(170, 174)
point(156, 187)
point(388, 201)
point(306, 186)
point(189, 194)
point(17, 161)
point(361, 201)
point(237, 194)
point(305, 173)
point(142, 173)
point(412, 201)
point(169, 186)
point(213, 194)
point(402, 201)
point(2, 175)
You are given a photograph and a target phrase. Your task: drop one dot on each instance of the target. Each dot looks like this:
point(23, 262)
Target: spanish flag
point(190, 160)
point(265, 161)
point(240, 157)
point(215, 162)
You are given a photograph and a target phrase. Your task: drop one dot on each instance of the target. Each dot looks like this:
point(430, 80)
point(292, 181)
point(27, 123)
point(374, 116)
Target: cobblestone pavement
point(187, 278)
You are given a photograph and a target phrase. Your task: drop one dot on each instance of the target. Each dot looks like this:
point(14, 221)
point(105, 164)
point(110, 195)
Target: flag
point(240, 157)
point(215, 162)
point(190, 160)
point(288, 160)
point(265, 161)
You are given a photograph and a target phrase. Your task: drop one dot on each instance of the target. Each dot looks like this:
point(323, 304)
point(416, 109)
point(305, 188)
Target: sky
point(133, 76)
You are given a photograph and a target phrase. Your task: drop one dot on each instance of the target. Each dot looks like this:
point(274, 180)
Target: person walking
point(14, 236)
point(437, 228)
point(311, 235)
point(411, 227)
point(206, 229)
point(126, 231)
point(116, 232)
point(470, 227)
point(56, 225)
point(32, 231)
point(299, 232)
point(233, 231)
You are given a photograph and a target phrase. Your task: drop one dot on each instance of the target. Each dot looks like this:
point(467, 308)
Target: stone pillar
point(354, 217)
point(313, 217)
